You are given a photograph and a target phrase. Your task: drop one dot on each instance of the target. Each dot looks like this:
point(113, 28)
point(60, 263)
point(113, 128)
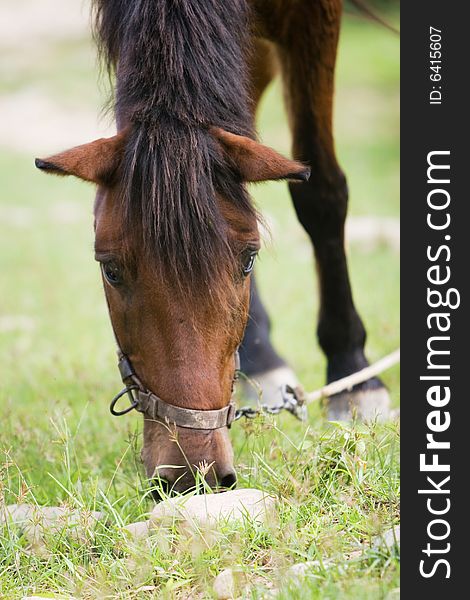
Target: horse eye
point(112, 272)
point(249, 262)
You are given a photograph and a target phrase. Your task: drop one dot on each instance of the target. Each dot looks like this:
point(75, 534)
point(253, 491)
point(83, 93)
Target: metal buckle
point(237, 361)
point(125, 368)
point(294, 401)
point(231, 414)
point(134, 403)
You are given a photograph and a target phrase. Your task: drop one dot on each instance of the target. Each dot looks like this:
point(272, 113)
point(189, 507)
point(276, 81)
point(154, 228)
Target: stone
point(300, 570)
point(22, 513)
point(40, 522)
point(138, 531)
point(208, 509)
point(224, 585)
point(388, 539)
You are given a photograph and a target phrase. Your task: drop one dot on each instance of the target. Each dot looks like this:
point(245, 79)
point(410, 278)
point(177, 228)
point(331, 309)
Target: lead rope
point(295, 400)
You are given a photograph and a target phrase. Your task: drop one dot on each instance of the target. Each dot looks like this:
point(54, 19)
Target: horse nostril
point(161, 488)
point(228, 481)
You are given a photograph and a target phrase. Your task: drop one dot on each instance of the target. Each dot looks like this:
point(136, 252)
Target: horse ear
point(256, 162)
point(96, 162)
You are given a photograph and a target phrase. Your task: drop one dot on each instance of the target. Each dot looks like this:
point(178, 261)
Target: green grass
point(337, 487)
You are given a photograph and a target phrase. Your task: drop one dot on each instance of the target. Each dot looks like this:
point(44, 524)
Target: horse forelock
point(170, 179)
point(180, 68)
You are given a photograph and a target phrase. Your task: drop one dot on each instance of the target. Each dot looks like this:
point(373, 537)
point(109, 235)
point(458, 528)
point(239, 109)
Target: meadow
point(337, 484)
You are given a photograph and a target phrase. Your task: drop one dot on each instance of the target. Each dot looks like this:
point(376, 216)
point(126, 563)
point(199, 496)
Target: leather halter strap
point(155, 408)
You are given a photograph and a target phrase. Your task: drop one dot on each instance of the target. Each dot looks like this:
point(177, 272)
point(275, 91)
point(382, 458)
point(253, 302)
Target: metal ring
point(134, 403)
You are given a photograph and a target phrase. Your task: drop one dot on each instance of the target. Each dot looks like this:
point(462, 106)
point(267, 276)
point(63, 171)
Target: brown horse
point(175, 231)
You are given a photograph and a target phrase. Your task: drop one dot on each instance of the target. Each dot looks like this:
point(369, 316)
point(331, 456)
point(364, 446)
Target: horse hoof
point(266, 387)
point(363, 404)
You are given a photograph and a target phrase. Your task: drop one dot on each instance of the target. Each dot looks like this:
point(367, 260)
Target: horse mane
point(180, 69)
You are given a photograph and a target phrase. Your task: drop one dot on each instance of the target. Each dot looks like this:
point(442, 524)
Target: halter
point(145, 401)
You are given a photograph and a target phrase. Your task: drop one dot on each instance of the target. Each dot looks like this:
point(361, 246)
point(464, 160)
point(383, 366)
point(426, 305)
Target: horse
point(176, 232)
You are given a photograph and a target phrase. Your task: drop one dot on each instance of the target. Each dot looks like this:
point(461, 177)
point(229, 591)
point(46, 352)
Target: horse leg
point(306, 48)
point(258, 358)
